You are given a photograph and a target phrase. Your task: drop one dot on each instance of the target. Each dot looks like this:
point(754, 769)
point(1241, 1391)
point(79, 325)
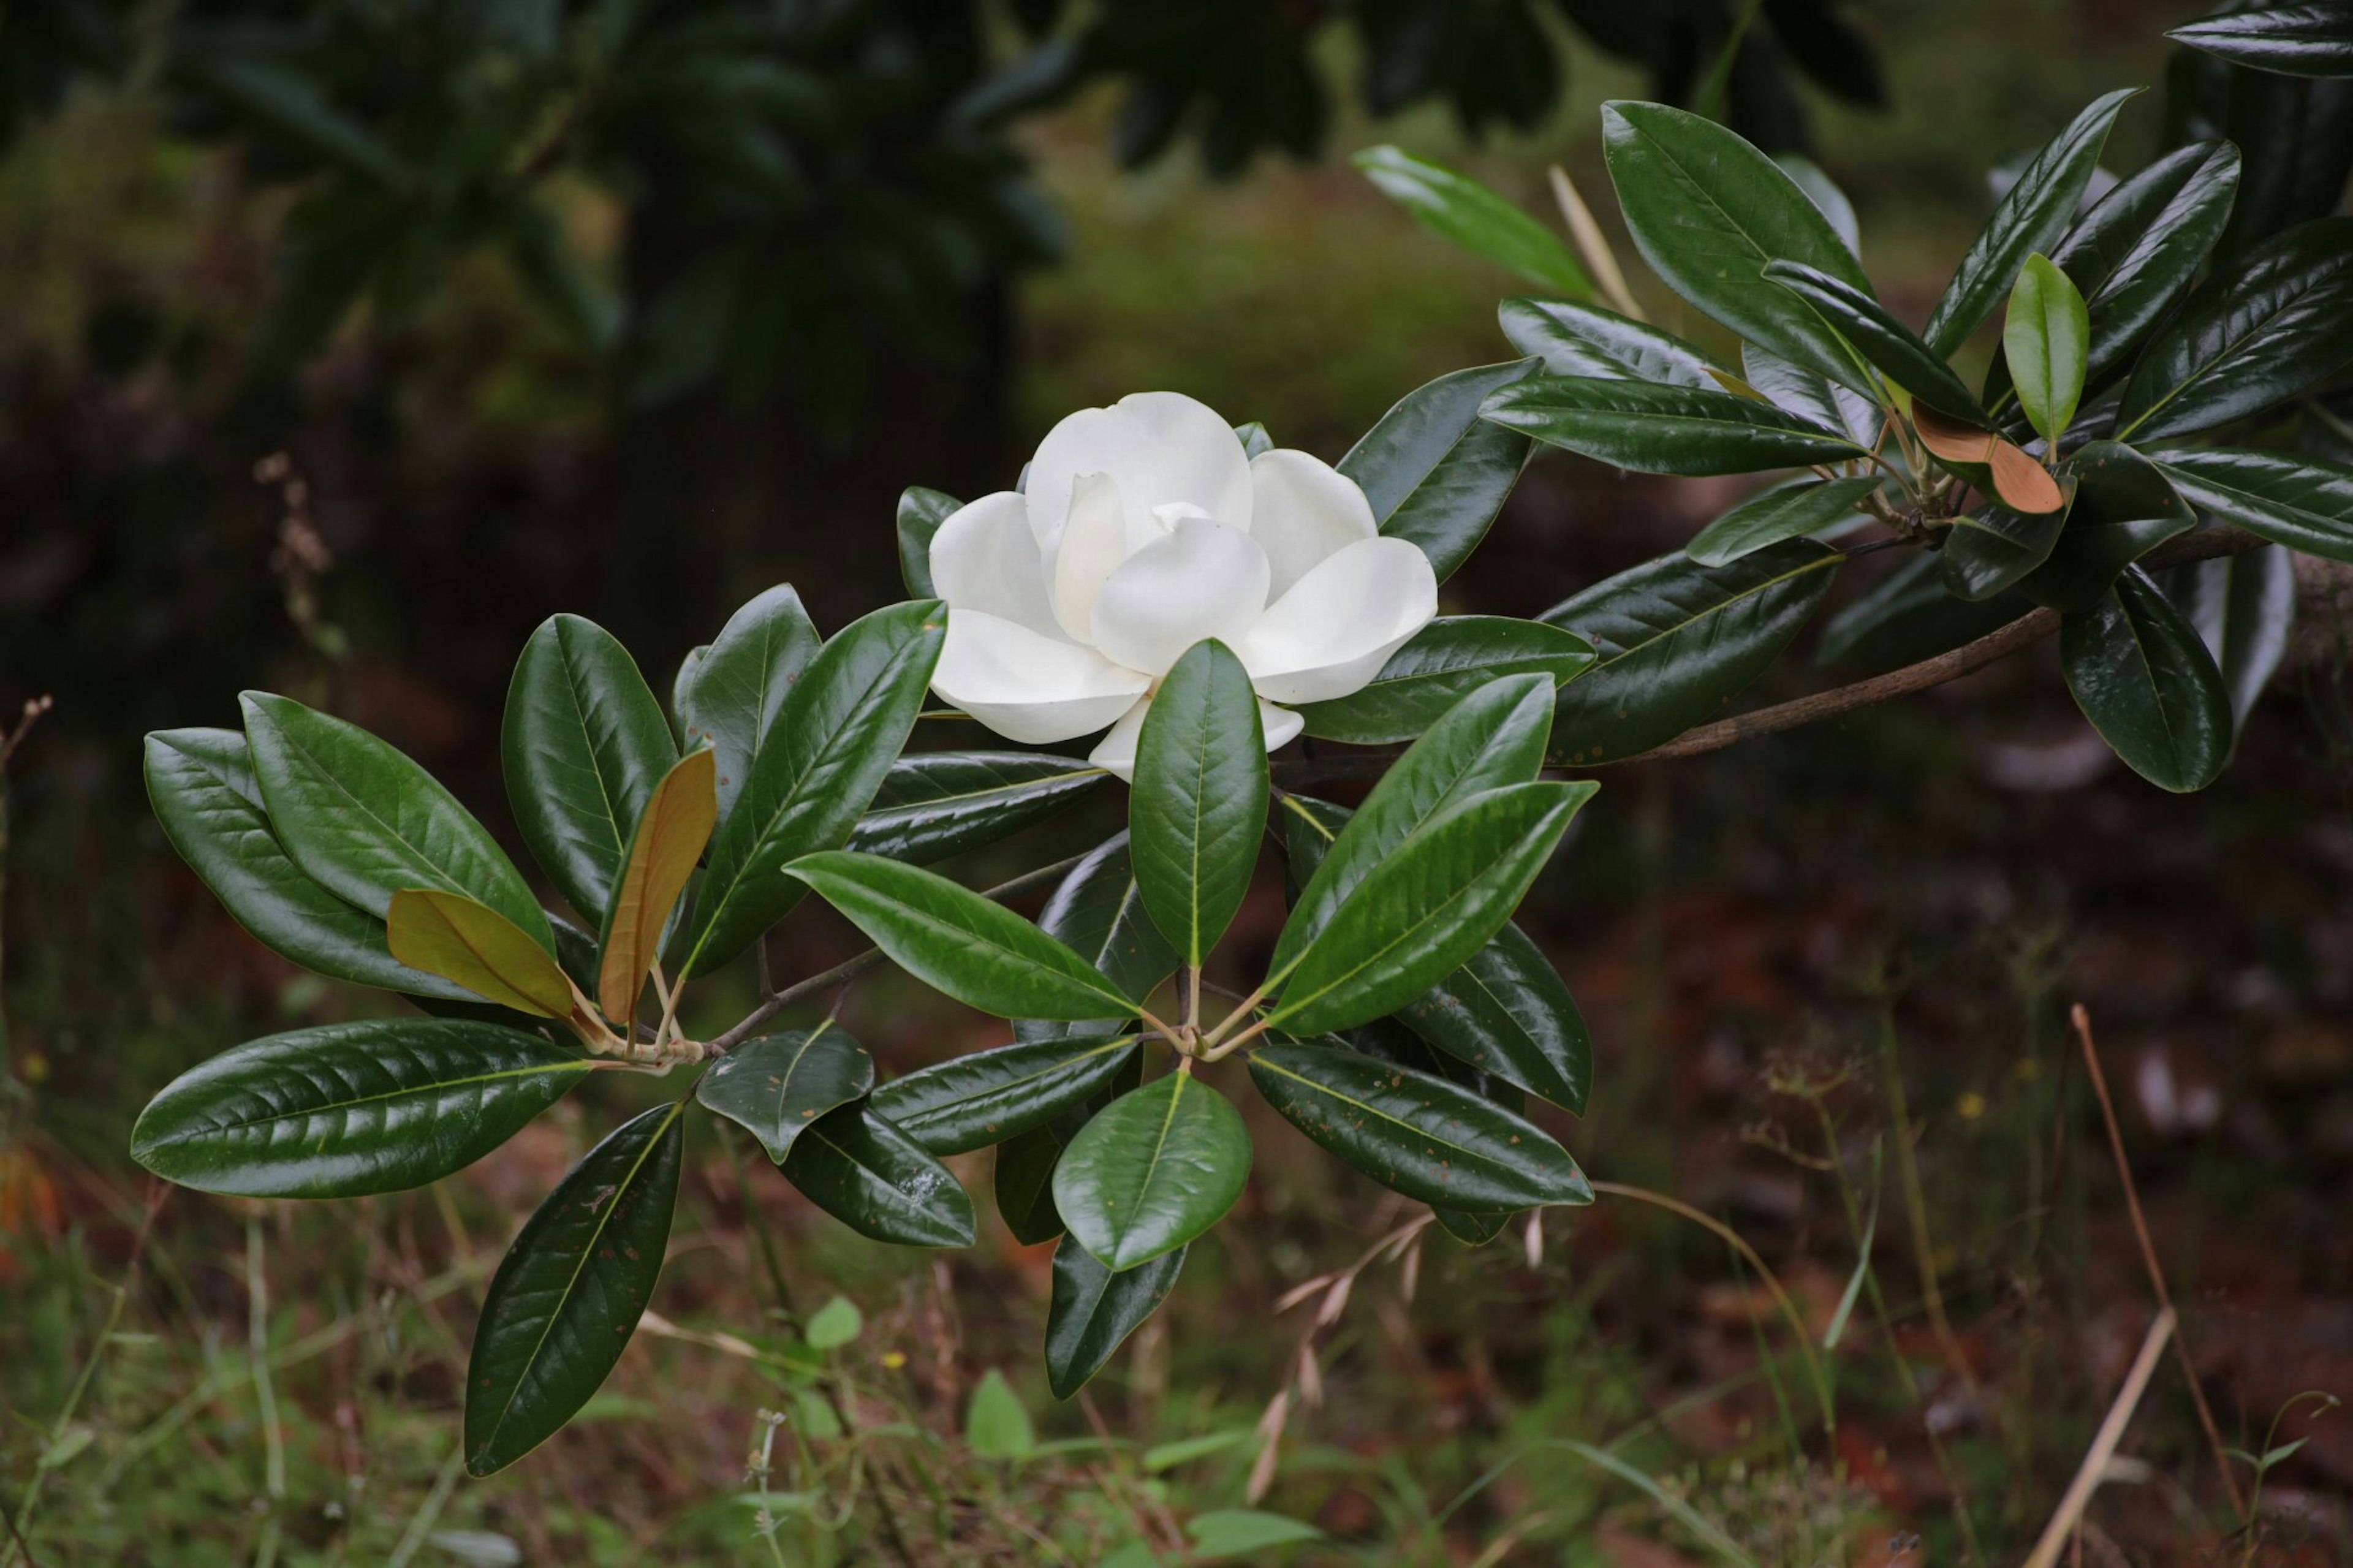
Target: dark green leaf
point(1909, 615)
point(1472, 1229)
point(1461, 211)
point(1098, 913)
point(2039, 207)
point(569, 1293)
point(1506, 1012)
point(1994, 550)
point(873, 1178)
point(1198, 805)
point(363, 821)
point(2136, 249)
point(2142, 676)
point(2301, 502)
point(2123, 509)
point(2046, 340)
point(920, 512)
point(776, 1085)
point(1786, 512)
point(2242, 606)
point(1586, 340)
point(2314, 38)
point(832, 744)
point(1447, 661)
point(1153, 1171)
point(1665, 429)
point(1093, 1310)
point(1813, 398)
point(2261, 332)
point(1884, 342)
point(1435, 472)
point(730, 693)
point(1415, 1133)
point(1678, 641)
point(933, 805)
point(985, 1097)
point(1024, 1185)
point(343, 1110)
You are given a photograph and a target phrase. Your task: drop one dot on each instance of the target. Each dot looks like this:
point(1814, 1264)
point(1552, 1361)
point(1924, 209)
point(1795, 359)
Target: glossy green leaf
point(2046, 340)
point(1198, 803)
point(1575, 339)
point(873, 1178)
point(2137, 249)
point(933, 805)
point(1435, 472)
point(985, 1097)
point(1098, 913)
point(344, 1109)
point(1678, 640)
point(1665, 429)
point(1886, 343)
point(583, 744)
point(1153, 1171)
point(201, 784)
point(2301, 502)
point(1023, 1175)
point(569, 1293)
point(1093, 1310)
point(2123, 509)
point(2252, 335)
point(2314, 38)
point(730, 693)
point(363, 821)
point(1788, 510)
point(2143, 677)
point(1990, 551)
point(1813, 398)
point(1707, 211)
point(1415, 1133)
point(2243, 606)
point(995, 1425)
point(1427, 908)
point(1447, 661)
point(2039, 207)
point(1472, 1229)
point(776, 1085)
point(831, 745)
point(1820, 189)
point(1909, 615)
point(1507, 1012)
point(949, 937)
point(472, 944)
point(920, 512)
point(1461, 211)
point(669, 839)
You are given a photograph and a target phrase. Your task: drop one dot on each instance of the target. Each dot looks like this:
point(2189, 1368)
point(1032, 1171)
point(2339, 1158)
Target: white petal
point(1302, 511)
point(1157, 446)
point(1027, 686)
point(984, 559)
point(1281, 724)
point(1205, 580)
point(1093, 543)
point(1116, 751)
point(1337, 626)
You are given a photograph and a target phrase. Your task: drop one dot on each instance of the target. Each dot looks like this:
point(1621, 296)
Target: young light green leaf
point(933, 805)
point(1463, 211)
point(1664, 429)
point(920, 512)
point(1224, 1533)
point(729, 694)
point(1448, 659)
point(985, 1097)
point(852, 1163)
point(1198, 805)
point(2143, 677)
point(1435, 472)
point(1155, 1169)
point(776, 1085)
point(995, 1425)
point(837, 1323)
point(475, 946)
point(669, 839)
point(1786, 512)
point(1093, 1310)
point(2046, 340)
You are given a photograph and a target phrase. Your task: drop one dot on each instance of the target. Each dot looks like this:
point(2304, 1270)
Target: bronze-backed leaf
point(2023, 484)
point(1950, 438)
point(669, 840)
point(452, 936)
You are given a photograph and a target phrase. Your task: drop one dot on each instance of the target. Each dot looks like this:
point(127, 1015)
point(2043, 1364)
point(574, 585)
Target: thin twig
point(2081, 1019)
point(2104, 1446)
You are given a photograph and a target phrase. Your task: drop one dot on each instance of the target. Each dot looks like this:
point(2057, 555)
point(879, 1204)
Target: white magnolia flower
point(1141, 529)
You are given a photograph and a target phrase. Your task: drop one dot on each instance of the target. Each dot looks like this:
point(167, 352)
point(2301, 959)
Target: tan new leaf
point(2023, 484)
point(670, 836)
point(1950, 438)
point(452, 936)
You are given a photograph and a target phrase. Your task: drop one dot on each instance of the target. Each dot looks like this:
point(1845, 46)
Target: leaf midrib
point(327, 1107)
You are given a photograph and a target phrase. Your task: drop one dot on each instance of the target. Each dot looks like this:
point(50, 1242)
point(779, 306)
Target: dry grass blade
point(1593, 246)
point(2078, 1495)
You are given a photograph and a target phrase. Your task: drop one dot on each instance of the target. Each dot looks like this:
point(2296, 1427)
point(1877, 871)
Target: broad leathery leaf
point(1427, 908)
point(2294, 135)
point(774, 1086)
point(1813, 398)
point(2123, 509)
point(1788, 510)
point(1392, 1041)
point(920, 512)
point(829, 751)
point(2252, 335)
point(2143, 677)
point(2046, 340)
point(363, 821)
point(859, 1168)
point(2314, 38)
point(1098, 913)
point(730, 692)
point(1474, 1229)
point(2137, 249)
point(2301, 502)
point(1679, 640)
point(2242, 606)
point(1665, 429)
point(1575, 339)
point(1990, 551)
point(201, 784)
point(1435, 472)
point(933, 805)
point(583, 743)
point(668, 841)
point(1023, 1176)
point(346, 1110)
point(570, 1290)
point(985, 1097)
point(954, 939)
point(1886, 343)
point(1093, 1311)
point(475, 946)
point(1446, 661)
point(1153, 1171)
point(1415, 1133)
point(1708, 211)
point(1909, 615)
point(2039, 208)
point(1463, 211)
point(1198, 806)
point(1494, 737)
point(1823, 191)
